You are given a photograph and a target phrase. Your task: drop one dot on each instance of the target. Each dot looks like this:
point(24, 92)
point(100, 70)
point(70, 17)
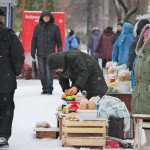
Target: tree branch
point(123, 5)
point(118, 9)
point(130, 13)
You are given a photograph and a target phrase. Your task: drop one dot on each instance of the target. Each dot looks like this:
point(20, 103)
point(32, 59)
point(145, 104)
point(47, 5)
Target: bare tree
point(127, 10)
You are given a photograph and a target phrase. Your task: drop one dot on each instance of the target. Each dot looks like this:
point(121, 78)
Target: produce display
point(67, 96)
point(117, 78)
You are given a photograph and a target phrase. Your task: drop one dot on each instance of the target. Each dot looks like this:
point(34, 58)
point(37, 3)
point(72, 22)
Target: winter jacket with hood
point(11, 59)
point(104, 47)
point(92, 43)
point(46, 37)
point(141, 90)
point(137, 30)
point(121, 47)
point(71, 43)
point(81, 69)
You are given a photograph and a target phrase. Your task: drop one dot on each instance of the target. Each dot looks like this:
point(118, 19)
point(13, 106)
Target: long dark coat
point(82, 70)
point(46, 37)
point(11, 59)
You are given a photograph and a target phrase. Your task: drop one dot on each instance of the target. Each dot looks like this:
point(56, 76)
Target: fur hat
point(55, 61)
point(2, 12)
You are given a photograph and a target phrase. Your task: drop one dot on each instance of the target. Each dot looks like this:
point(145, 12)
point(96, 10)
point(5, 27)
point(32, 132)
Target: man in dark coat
point(46, 37)
point(83, 70)
point(11, 63)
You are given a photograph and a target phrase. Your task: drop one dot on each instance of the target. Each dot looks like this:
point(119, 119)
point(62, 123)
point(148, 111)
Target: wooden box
point(84, 133)
point(47, 132)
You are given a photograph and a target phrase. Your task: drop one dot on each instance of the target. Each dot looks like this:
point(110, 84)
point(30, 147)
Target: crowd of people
point(129, 45)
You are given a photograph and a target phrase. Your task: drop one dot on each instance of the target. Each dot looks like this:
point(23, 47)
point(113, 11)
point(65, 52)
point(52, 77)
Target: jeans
point(46, 75)
point(7, 107)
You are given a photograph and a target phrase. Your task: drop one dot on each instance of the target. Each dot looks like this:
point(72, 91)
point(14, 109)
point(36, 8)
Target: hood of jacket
point(56, 60)
point(146, 47)
point(46, 13)
point(139, 26)
point(127, 28)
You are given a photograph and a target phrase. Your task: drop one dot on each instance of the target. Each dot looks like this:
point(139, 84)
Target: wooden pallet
point(46, 132)
point(84, 133)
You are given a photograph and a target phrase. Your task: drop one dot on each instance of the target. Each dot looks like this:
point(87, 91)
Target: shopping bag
point(34, 69)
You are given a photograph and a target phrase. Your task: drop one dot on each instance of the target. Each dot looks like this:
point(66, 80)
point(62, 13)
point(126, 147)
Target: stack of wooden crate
point(89, 133)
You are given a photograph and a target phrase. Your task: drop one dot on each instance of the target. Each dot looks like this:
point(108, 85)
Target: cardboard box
point(52, 132)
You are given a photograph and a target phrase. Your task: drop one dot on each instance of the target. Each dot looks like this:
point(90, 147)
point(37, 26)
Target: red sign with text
point(30, 19)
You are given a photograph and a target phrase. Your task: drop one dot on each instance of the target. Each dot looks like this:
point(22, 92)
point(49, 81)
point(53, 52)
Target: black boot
point(3, 143)
point(49, 92)
point(44, 92)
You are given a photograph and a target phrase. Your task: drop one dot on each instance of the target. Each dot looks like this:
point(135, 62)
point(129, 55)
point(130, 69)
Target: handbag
point(116, 126)
point(34, 69)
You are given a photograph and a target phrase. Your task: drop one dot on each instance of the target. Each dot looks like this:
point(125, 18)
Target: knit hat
point(147, 32)
point(55, 61)
point(95, 28)
point(2, 12)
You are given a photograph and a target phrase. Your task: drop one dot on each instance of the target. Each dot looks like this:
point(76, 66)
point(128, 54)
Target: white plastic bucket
point(123, 87)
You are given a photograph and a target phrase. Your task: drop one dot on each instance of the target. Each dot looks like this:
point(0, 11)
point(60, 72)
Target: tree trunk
point(89, 16)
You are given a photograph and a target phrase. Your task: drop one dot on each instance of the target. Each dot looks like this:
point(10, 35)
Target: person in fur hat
point(81, 69)
point(46, 37)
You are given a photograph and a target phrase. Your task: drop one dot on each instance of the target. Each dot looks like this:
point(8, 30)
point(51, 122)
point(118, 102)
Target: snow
point(32, 107)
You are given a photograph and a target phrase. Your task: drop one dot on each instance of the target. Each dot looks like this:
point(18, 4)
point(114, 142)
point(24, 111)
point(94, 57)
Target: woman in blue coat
point(121, 47)
point(71, 42)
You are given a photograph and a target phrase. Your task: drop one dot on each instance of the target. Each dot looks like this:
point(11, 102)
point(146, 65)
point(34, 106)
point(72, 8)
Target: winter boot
point(3, 143)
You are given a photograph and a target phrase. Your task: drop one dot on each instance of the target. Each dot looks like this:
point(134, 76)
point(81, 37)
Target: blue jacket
point(71, 43)
point(121, 47)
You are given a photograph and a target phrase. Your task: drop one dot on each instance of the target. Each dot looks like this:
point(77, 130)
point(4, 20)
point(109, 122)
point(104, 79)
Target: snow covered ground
point(32, 107)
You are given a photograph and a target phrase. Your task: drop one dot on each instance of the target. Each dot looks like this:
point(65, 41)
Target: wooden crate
point(84, 133)
point(47, 132)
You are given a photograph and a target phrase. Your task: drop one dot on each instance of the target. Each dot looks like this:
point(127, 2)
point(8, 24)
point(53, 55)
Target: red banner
point(30, 19)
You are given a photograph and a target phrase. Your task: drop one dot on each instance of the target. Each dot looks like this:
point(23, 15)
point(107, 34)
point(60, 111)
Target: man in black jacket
point(11, 63)
point(46, 37)
point(83, 70)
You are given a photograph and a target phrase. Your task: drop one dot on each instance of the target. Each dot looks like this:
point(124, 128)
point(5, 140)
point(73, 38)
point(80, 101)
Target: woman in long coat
point(141, 90)
point(105, 46)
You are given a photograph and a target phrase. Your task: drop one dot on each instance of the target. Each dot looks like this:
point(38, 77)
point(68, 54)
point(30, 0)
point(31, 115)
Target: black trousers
point(104, 61)
point(6, 114)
